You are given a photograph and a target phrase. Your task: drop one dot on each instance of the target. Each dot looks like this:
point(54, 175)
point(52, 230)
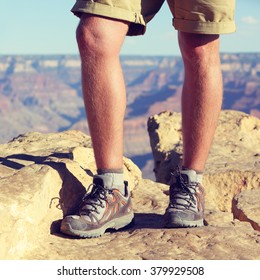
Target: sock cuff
point(197, 171)
point(101, 171)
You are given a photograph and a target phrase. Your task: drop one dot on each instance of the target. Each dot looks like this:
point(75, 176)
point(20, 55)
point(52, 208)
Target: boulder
point(44, 175)
point(246, 207)
point(234, 160)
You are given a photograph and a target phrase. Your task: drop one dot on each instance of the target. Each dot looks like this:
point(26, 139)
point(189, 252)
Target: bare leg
point(108, 204)
point(202, 96)
point(100, 40)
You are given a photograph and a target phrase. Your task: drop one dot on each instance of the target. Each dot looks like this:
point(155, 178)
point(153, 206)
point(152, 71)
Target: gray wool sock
point(112, 178)
point(194, 176)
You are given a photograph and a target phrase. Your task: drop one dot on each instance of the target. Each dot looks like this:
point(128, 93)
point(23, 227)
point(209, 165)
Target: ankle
point(114, 178)
point(193, 175)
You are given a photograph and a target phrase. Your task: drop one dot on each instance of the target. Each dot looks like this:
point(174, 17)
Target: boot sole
point(184, 224)
point(116, 224)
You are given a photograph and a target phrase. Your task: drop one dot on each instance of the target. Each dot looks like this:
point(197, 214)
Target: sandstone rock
point(42, 176)
point(37, 172)
point(246, 207)
point(234, 160)
point(24, 203)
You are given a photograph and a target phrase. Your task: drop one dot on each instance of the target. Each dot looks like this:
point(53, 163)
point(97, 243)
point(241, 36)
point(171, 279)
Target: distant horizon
point(125, 55)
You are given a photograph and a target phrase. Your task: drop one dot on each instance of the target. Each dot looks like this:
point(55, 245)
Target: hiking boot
point(101, 209)
point(186, 207)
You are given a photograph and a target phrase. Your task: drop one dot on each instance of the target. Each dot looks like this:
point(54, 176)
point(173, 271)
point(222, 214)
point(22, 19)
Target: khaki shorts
point(193, 16)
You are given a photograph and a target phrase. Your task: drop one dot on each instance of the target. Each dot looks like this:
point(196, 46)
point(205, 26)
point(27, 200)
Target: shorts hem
point(136, 28)
point(204, 27)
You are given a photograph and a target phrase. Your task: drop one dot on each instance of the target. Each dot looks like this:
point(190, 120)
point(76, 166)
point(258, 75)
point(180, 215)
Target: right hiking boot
point(101, 209)
point(186, 206)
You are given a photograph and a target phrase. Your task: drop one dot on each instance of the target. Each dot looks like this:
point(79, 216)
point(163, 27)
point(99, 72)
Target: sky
point(48, 27)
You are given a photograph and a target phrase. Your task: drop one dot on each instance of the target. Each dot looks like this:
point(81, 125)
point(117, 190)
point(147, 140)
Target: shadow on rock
point(148, 220)
point(72, 190)
point(144, 221)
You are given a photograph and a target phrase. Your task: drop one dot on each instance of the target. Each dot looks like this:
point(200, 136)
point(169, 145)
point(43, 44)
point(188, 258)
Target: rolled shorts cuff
point(137, 28)
point(204, 27)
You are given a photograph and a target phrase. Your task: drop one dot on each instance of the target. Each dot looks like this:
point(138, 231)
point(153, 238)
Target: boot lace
point(93, 200)
point(182, 193)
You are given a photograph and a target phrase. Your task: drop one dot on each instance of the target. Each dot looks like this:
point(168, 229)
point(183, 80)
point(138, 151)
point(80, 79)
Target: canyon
point(43, 94)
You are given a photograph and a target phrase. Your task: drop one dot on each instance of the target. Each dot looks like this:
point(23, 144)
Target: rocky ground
point(42, 176)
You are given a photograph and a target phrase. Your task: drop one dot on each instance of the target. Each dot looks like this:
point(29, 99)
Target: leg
point(198, 23)
point(99, 40)
point(201, 97)
point(201, 103)
point(108, 204)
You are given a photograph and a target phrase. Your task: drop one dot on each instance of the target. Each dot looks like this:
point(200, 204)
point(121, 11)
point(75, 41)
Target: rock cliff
point(42, 176)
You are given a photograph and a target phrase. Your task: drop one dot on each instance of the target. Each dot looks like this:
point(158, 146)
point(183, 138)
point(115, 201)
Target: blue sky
point(48, 27)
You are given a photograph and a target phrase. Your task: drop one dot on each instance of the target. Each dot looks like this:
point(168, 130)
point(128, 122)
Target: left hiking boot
point(104, 207)
point(186, 206)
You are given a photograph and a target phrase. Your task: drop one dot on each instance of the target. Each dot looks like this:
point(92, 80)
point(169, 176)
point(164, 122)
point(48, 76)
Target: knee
point(89, 39)
point(94, 39)
point(197, 47)
point(84, 38)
